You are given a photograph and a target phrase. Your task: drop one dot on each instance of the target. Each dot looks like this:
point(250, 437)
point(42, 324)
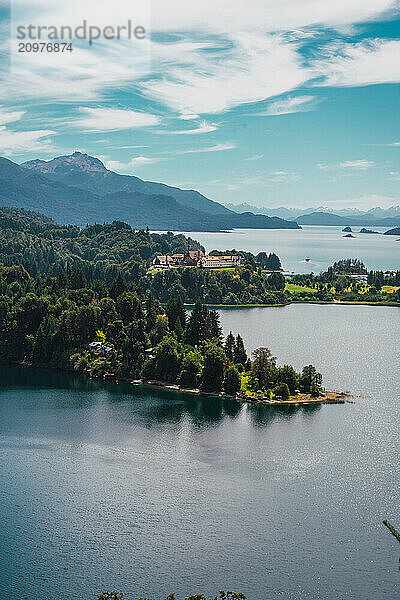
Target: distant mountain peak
point(77, 161)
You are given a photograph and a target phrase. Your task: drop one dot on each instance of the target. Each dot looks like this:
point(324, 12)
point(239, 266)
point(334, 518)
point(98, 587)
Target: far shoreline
point(283, 304)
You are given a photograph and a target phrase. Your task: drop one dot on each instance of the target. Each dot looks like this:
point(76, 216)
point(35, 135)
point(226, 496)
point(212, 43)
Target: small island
point(349, 235)
point(394, 231)
point(347, 229)
point(364, 230)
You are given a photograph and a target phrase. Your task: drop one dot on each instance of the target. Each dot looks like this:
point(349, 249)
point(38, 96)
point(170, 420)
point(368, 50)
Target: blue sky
point(270, 102)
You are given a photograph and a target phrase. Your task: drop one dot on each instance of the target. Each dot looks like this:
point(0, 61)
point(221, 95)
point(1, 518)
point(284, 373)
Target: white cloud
point(204, 127)
point(124, 147)
point(14, 142)
point(188, 117)
point(290, 105)
point(206, 16)
point(394, 175)
point(356, 165)
point(254, 67)
point(238, 67)
point(137, 161)
point(391, 145)
point(366, 63)
point(113, 119)
point(282, 177)
point(7, 116)
point(361, 164)
point(215, 148)
point(255, 157)
point(272, 178)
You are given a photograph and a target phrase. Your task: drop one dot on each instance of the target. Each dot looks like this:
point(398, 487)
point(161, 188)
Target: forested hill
point(79, 189)
point(100, 253)
point(44, 247)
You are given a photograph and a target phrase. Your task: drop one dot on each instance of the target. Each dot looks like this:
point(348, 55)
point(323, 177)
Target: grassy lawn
point(293, 287)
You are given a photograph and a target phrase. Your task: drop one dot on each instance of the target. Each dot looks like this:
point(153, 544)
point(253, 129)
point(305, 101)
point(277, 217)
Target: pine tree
point(239, 353)
point(229, 346)
point(196, 324)
point(231, 381)
point(176, 310)
point(118, 286)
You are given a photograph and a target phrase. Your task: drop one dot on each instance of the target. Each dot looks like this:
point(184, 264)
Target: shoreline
point(283, 304)
point(329, 397)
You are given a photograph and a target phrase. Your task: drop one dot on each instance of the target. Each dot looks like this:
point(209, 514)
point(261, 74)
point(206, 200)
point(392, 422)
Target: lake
point(323, 245)
point(112, 486)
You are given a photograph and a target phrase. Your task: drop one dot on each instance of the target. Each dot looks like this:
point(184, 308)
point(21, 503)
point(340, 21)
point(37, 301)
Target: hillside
point(374, 216)
point(43, 246)
point(325, 218)
point(105, 195)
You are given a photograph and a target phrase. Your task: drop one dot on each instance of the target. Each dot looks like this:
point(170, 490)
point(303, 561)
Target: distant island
point(348, 229)
point(364, 230)
point(395, 231)
point(349, 235)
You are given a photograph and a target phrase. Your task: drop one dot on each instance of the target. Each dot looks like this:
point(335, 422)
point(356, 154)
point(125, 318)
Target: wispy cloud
point(7, 116)
point(361, 164)
point(137, 161)
point(251, 68)
point(287, 106)
point(215, 148)
point(204, 127)
point(188, 117)
point(255, 157)
point(276, 177)
point(282, 177)
point(390, 145)
point(369, 62)
point(355, 165)
point(113, 119)
point(14, 142)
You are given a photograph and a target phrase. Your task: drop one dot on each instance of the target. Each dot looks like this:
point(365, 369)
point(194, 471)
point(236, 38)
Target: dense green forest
point(340, 283)
point(95, 329)
point(98, 253)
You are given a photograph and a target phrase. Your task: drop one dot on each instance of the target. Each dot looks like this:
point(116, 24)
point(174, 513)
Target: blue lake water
point(323, 245)
point(106, 486)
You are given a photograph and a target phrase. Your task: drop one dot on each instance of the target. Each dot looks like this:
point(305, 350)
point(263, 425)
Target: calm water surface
point(323, 245)
point(149, 492)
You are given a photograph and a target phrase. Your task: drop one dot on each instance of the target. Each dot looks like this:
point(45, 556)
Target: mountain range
point(379, 217)
point(79, 189)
